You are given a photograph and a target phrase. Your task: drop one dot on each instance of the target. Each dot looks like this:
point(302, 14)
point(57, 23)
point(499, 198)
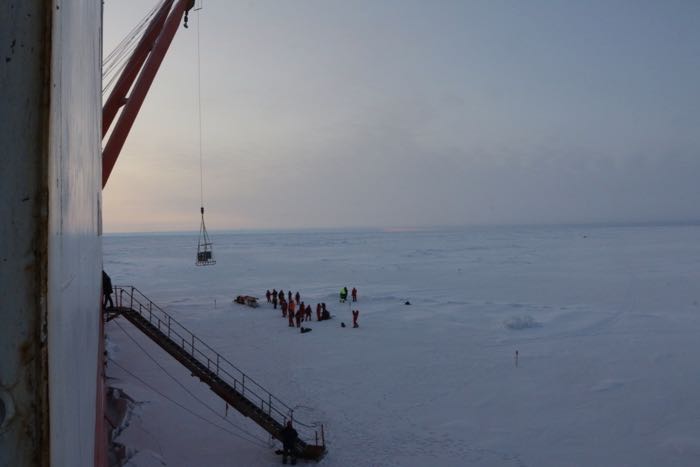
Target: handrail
point(131, 298)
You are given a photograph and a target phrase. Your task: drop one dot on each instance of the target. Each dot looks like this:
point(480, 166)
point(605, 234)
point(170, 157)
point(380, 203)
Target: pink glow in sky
point(412, 113)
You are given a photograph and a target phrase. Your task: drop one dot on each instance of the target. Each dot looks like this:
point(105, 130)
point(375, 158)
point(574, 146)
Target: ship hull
point(50, 282)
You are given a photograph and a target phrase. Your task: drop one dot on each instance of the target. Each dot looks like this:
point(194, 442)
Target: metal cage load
point(204, 246)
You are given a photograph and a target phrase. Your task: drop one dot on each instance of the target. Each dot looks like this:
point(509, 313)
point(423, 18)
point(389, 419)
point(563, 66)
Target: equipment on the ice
point(247, 300)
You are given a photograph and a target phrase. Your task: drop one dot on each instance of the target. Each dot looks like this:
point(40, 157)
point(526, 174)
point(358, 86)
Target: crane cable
point(199, 105)
point(115, 62)
point(204, 245)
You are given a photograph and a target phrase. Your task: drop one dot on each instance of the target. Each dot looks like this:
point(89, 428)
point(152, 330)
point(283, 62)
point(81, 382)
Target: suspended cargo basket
point(205, 255)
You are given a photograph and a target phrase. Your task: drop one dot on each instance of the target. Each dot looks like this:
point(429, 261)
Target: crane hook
point(187, 11)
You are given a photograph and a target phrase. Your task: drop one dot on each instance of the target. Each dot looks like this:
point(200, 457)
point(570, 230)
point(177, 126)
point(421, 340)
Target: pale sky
point(400, 113)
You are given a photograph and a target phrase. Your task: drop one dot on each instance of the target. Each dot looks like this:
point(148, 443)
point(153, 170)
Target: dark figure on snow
point(289, 437)
point(290, 297)
point(354, 294)
point(284, 309)
point(318, 312)
point(343, 294)
point(325, 314)
point(297, 296)
point(355, 315)
point(274, 301)
point(308, 313)
point(290, 313)
point(280, 295)
point(107, 291)
point(268, 295)
point(299, 316)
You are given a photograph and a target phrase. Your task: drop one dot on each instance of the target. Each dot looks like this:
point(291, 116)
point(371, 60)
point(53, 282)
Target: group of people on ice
point(296, 311)
point(344, 294)
point(343, 299)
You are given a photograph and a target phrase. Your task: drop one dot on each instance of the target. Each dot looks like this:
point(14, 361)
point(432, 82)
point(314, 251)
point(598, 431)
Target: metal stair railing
point(130, 298)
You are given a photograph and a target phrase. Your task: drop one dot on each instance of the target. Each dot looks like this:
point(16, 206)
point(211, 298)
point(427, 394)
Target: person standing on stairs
point(107, 291)
point(289, 436)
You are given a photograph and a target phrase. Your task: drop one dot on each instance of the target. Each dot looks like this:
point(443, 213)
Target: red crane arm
point(142, 67)
point(117, 97)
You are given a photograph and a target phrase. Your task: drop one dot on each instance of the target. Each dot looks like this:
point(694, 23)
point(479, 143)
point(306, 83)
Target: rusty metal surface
point(50, 254)
point(24, 72)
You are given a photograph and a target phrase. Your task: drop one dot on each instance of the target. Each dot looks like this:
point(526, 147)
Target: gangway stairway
point(223, 378)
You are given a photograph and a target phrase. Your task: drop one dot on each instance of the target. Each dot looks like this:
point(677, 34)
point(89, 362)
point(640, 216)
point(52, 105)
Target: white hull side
point(74, 248)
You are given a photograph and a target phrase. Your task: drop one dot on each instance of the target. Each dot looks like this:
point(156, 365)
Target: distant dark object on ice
point(521, 322)
point(247, 300)
point(342, 325)
point(305, 330)
point(407, 303)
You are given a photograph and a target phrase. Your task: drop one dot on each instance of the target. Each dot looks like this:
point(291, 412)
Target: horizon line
point(422, 228)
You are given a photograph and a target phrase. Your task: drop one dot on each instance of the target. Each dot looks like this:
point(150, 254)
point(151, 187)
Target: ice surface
point(608, 376)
